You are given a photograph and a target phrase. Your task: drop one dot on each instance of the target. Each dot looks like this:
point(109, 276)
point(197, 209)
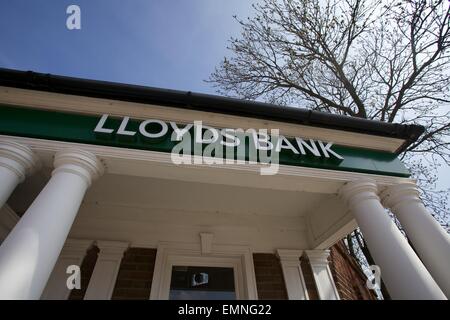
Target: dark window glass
point(202, 283)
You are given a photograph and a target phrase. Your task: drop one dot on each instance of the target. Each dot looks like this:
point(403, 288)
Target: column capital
point(289, 255)
point(356, 191)
point(318, 257)
point(17, 158)
point(112, 248)
point(399, 193)
point(82, 163)
point(75, 247)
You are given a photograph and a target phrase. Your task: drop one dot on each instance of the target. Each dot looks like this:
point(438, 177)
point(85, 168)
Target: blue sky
point(172, 44)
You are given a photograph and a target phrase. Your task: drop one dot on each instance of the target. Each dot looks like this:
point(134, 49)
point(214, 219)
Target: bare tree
point(362, 58)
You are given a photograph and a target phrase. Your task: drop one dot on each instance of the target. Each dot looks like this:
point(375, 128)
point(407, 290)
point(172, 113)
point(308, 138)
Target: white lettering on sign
point(161, 132)
point(230, 138)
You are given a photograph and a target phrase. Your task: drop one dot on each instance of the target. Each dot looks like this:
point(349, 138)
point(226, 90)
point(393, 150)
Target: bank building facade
point(113, 191)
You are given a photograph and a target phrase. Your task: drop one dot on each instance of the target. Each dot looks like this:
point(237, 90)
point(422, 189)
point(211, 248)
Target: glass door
point(202, 283)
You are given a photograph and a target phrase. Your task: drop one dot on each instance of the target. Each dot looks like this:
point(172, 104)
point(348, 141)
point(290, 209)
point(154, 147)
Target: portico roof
point(206, 102)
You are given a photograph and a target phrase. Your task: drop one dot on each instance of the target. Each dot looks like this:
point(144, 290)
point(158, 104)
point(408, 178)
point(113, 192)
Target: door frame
point(169, 254)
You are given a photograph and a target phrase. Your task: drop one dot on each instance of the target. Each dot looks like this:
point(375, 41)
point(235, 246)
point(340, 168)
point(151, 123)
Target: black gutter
point(205, 102)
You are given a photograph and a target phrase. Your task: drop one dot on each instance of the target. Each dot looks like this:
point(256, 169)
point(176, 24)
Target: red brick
point(134, 280)
point(349, 279)
point(269, 277)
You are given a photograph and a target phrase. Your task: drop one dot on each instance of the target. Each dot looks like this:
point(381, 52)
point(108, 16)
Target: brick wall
point(136, 272)
point(349, 279)
point(269, 277)
point(87, 267)
point(134, 280)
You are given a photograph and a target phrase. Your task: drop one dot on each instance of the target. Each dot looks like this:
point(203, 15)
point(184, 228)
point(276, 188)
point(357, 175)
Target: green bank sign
point(184, 140)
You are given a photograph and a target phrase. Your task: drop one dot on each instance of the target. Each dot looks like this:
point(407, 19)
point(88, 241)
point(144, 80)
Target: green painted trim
point(50, 125)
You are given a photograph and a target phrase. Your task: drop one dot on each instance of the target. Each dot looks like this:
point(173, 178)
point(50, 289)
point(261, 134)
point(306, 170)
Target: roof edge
point(206, 102)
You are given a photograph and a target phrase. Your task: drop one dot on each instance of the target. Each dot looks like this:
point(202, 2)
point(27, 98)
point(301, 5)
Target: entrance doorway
point(185, 271)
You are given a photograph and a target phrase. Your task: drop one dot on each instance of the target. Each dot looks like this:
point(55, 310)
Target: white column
point(29, 253)
point(73, 253)
point(401, 269)
point(16, 161)
point(430, 240)
point(103, 279)
point(293, 275)
point(322, 274)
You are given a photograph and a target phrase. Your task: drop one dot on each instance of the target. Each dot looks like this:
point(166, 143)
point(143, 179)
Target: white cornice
point(87, 105)
point(159, 164)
